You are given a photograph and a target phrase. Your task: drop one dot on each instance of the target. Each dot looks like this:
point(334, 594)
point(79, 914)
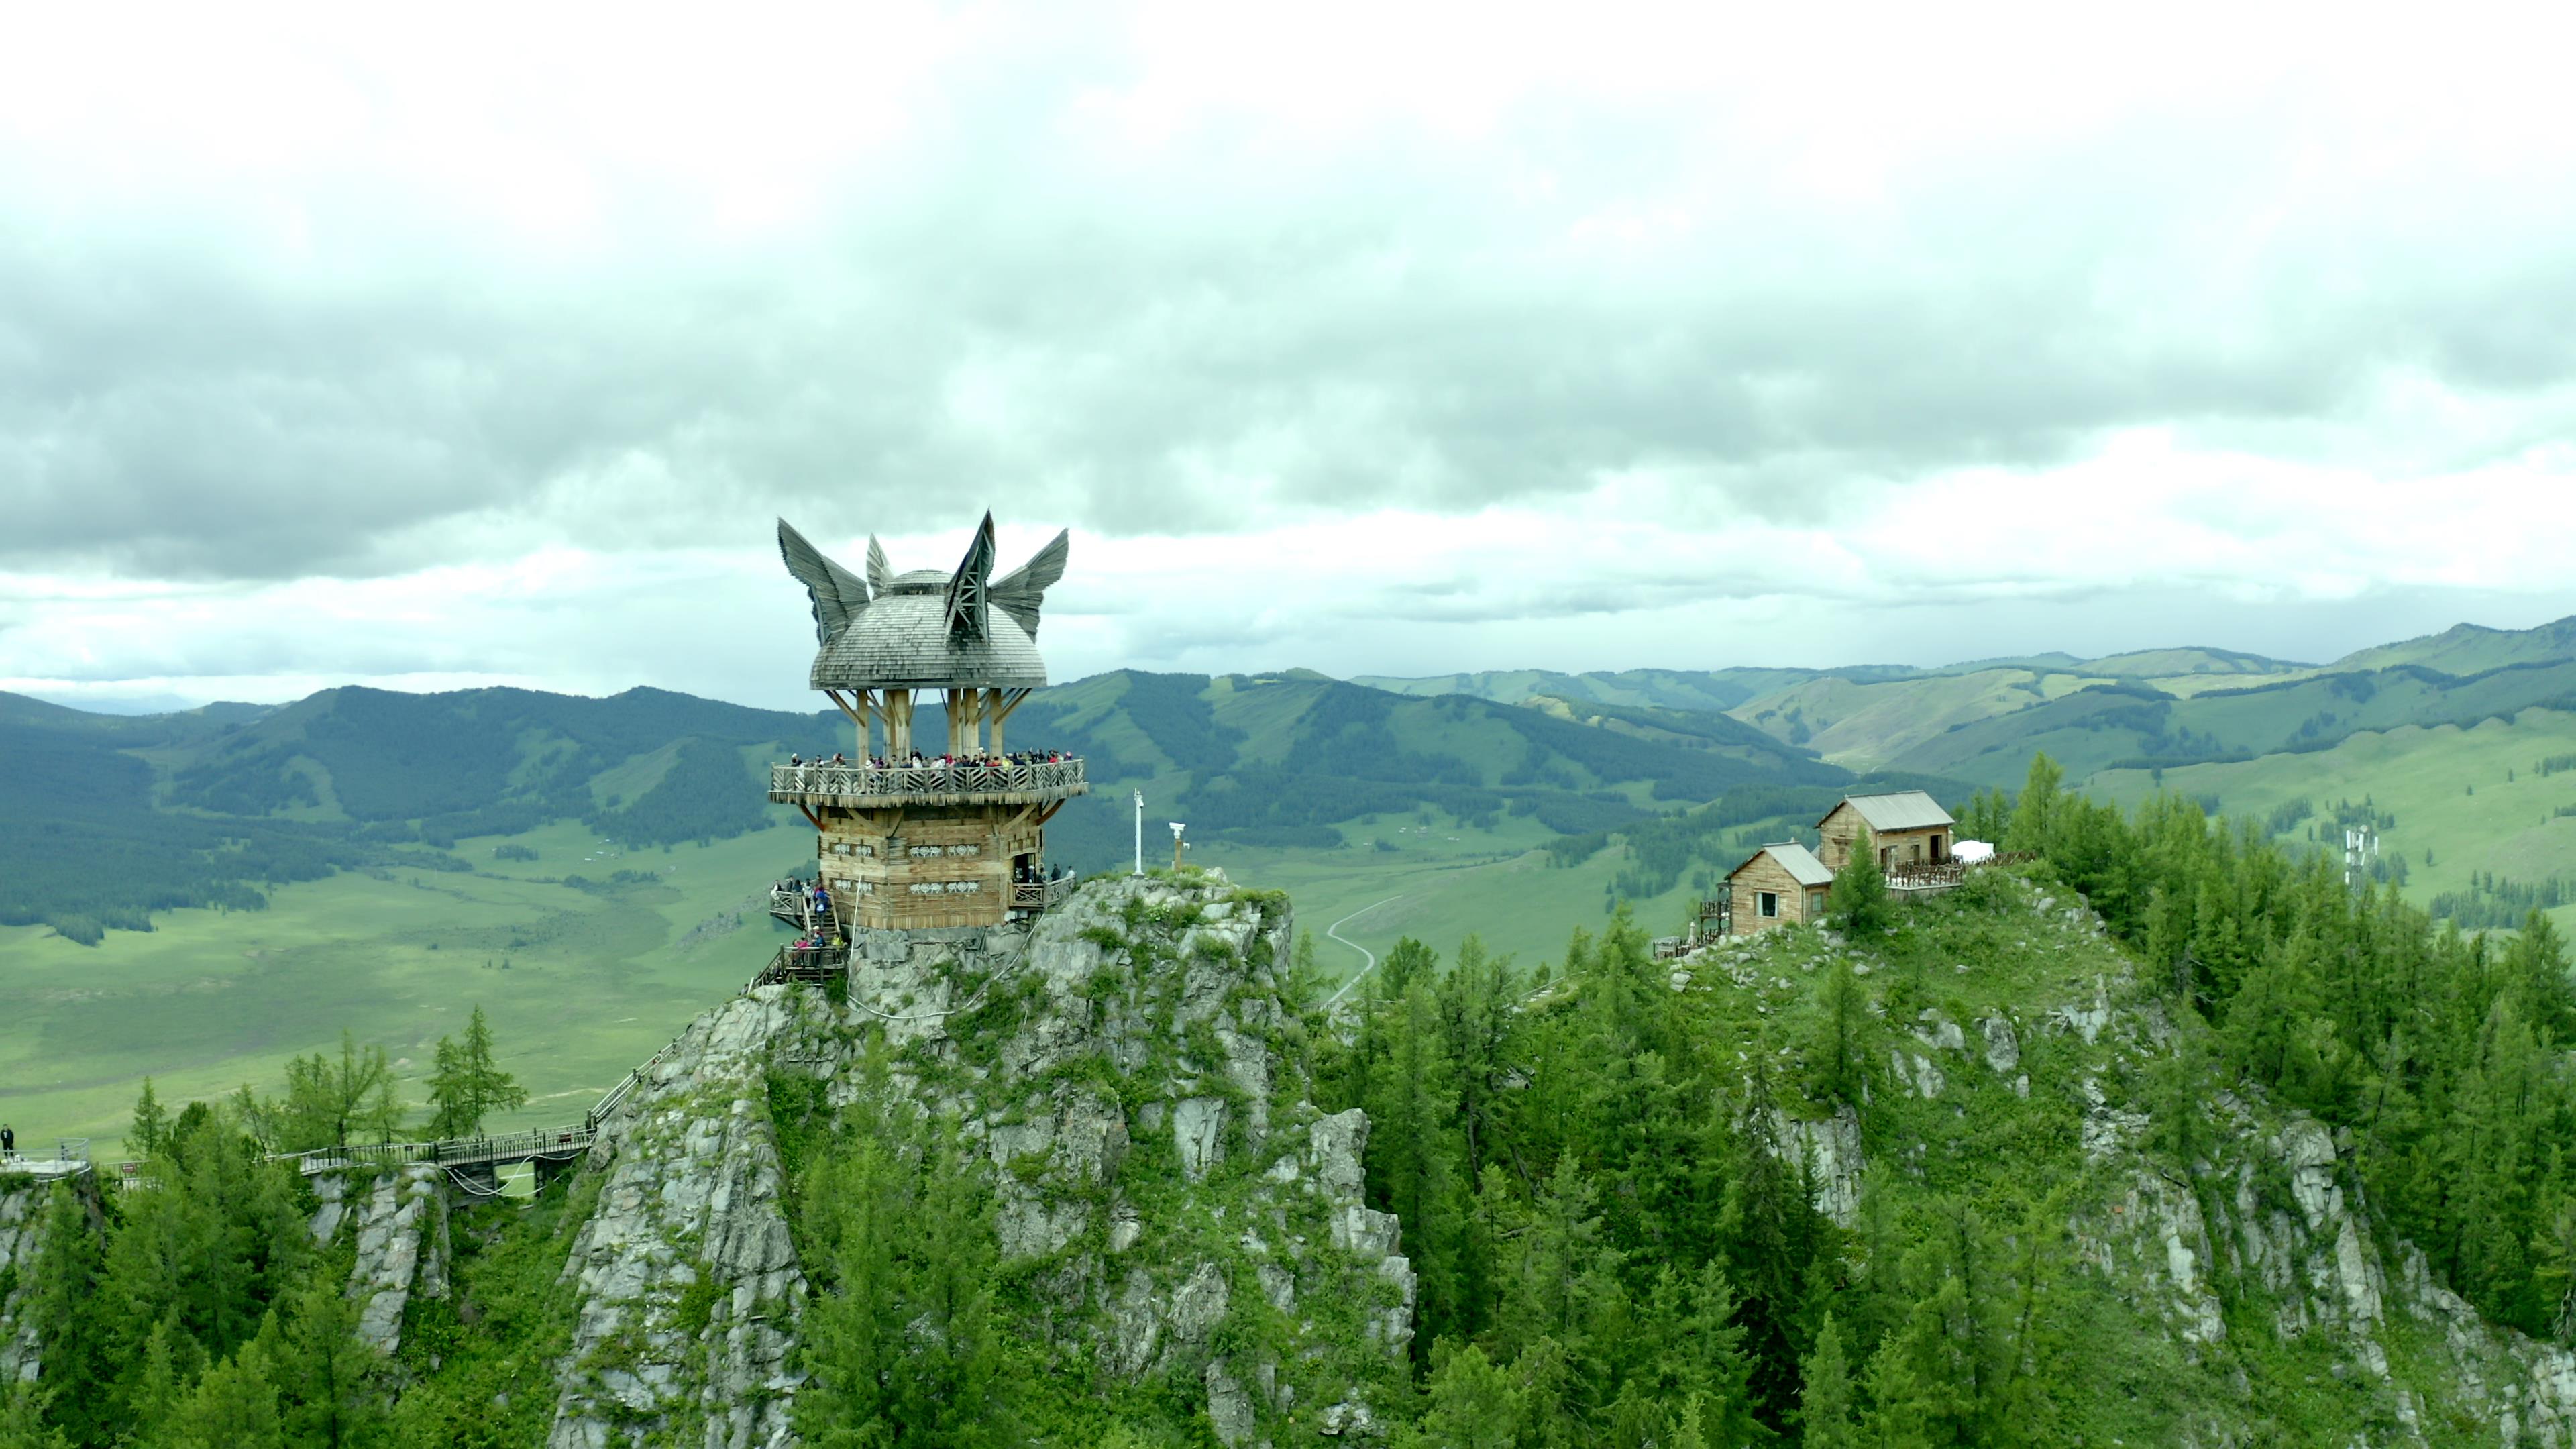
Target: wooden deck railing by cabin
point(1917, 875)
point(928, 782)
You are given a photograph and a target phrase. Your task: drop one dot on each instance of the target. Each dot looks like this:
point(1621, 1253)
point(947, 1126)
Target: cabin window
point(1815, 904)
point(1769, 903)
point(1886, 856)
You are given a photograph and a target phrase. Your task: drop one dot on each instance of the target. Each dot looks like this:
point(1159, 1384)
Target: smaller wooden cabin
point(1909, 828)
point(1781, 885)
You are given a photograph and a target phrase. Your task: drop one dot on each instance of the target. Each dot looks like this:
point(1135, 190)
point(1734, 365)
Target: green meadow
point(580, 985)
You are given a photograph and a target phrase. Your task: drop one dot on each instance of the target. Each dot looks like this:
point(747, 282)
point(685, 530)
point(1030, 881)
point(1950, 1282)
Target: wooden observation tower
point(949, 830)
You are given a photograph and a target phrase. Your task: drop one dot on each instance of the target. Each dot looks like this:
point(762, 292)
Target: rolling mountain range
point(107, 819)
point(1981, 721)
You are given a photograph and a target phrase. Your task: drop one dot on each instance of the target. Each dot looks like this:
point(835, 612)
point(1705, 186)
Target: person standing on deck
point(8, 1140)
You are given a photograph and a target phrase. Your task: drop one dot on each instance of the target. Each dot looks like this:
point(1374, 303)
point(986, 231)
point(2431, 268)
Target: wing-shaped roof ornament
point(966, 587)
point(837, 594)
point(1021, 592)
point(880, 573)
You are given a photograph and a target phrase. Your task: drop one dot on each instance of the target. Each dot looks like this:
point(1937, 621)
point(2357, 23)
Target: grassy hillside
point(1713, 690)
point(2472, 649)
point(1289, 762)
point(2103, 726)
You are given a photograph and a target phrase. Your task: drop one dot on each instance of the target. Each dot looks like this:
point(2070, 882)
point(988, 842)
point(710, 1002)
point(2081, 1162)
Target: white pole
point(1140, 832)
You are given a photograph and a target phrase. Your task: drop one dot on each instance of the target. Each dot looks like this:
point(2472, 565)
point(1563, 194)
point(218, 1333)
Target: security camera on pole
point(1177, 847)
point(1140, 832)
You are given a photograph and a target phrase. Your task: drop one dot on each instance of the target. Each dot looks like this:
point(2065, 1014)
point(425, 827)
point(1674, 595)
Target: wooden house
point(1781, 885)
point(1908, 828)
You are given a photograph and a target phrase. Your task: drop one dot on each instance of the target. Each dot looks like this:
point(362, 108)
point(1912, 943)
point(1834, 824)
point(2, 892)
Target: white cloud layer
point(1371, 339)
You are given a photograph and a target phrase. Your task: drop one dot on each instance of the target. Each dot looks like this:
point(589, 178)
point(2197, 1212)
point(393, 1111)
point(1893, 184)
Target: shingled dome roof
point(902, 642)
point(926, 629)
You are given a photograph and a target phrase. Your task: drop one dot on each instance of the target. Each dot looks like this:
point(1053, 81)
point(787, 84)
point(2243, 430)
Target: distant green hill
point(109, 819)
point(1714, 690)
point(2137, 726)
point(1286, 761)
point(2472, 649)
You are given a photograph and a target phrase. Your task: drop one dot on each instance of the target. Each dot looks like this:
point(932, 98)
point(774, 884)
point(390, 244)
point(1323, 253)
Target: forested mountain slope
point(104, 820)
point(2167, 1138)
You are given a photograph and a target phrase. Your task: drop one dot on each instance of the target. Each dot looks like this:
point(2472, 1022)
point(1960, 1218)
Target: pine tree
point(907, 1335)
point(1837, 1058)
point(1413, 1156)
point(63, 1304)
point(1825, 1393)
point(467, 1085)
point(151, 1124)
point(1689, 1350)
point(1407, 961)
point(321, 1369)
point(1563, 1283)
point(160, 1387)
point(1474, 1403)
point(2536, 961)
point(1858, 901)
point(23, 1426)
point(234, 1407)
point(2034, 817)
point(329, 1104)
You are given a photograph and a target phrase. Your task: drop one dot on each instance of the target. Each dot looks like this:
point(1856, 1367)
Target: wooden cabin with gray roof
point(1785, 884)
point(1908, 828)
point(1779, 885)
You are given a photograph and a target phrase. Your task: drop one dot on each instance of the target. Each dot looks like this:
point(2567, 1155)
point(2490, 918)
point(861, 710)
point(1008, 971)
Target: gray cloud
point(1017, 306)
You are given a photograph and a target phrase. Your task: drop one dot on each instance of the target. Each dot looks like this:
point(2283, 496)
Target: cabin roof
point(1796, 859)
point(1903, 810)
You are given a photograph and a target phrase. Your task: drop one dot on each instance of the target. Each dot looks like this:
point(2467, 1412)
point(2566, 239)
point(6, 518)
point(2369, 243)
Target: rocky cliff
point(2259, 1298)
point(1181, 1213)
point(22, 1222)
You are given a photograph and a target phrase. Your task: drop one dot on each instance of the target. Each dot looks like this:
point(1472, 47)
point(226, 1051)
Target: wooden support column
point(898, 718)
point(1004, 702)
point(858, 713)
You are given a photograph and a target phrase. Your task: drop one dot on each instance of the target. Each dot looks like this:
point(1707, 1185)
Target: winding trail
point(1334, 932)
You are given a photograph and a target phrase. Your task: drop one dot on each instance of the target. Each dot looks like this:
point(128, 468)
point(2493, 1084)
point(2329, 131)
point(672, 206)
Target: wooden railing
point(1916, 875)
point(929, 781)
point(548, 1142)
point(1038, 895)
point(801, 963)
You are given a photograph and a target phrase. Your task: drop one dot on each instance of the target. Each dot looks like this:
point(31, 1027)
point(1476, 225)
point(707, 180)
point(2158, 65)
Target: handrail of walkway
point(546, 1142)
point(927, 780)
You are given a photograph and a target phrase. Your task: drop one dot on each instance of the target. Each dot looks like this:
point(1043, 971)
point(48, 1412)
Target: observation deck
point(871, 787)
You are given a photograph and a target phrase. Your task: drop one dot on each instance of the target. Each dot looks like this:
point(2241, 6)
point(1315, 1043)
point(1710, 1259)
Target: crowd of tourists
point(919, 761)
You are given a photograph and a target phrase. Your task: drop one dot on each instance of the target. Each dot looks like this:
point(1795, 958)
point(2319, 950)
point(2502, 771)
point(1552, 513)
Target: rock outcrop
point(399, 1218)
point(686, 1276)
point(1153, 1146)
point(1181, 1209)
point(22, 1232)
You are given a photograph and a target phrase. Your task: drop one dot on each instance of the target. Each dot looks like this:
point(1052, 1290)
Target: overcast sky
point(1366, 339)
